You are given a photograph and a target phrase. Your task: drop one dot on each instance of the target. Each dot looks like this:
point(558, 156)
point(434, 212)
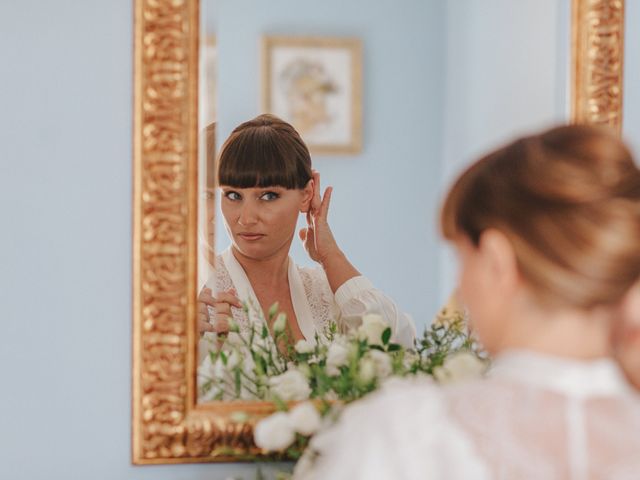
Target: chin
point(254, 252)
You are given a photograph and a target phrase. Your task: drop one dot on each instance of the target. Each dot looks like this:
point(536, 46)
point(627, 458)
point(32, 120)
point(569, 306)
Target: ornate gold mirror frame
point(168, 425)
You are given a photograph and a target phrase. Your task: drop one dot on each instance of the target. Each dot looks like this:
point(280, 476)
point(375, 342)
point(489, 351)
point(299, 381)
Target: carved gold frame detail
point(168, 426)
point(598, 59)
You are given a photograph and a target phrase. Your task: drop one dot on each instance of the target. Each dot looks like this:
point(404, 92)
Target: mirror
point(431, 86)
point(441, 82)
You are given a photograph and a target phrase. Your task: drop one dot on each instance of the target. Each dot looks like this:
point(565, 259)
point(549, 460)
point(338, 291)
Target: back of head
point(264, 152)
point(569, 201)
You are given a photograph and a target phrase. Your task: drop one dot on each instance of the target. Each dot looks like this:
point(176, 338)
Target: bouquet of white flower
point(333, 369)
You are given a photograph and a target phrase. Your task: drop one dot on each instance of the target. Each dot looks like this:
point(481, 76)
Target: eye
point(233, 196)
point(269, 196)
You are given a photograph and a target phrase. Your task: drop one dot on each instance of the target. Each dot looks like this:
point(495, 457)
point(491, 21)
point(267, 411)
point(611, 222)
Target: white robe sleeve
point(401, 433)
point(358, 296)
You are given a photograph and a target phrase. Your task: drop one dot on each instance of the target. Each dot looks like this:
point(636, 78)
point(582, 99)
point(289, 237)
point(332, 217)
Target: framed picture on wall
point(315, 83)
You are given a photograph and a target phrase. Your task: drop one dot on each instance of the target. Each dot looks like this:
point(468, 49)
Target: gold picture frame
point(168, 426)
point(315, 83)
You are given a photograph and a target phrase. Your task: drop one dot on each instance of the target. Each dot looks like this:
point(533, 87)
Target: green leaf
point(394, 347)
point(386, 335)
point(261, 365)
point(238, 382)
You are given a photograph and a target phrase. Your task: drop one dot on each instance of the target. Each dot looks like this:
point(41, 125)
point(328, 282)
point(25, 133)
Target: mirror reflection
point(383, 105)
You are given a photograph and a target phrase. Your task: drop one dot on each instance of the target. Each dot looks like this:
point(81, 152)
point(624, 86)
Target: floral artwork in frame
point(315, 83)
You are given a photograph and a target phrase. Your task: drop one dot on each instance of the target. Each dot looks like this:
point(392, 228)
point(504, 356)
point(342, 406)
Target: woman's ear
point(630, 307)
point(500, 259)
point(307, 196)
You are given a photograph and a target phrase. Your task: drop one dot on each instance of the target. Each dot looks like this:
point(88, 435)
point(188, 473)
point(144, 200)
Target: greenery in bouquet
point(254, 363)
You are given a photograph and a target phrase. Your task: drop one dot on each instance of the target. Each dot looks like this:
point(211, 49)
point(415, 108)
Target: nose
point(248, 214)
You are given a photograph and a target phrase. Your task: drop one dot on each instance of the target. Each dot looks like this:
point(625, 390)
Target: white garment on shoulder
point(399, 433)
point(535, 417)
point(314, 303)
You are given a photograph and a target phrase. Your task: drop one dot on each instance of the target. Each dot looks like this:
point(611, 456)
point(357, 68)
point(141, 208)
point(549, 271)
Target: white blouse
point(534, 417)
point(314, 304)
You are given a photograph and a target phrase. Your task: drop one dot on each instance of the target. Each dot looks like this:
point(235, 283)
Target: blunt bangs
point(264, 155)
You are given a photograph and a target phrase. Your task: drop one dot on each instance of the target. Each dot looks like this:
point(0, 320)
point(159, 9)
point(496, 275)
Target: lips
point(251, 236)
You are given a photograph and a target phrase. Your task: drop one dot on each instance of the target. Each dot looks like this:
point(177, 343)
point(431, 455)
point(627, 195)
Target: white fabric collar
point(573, 377)
point(298, 295)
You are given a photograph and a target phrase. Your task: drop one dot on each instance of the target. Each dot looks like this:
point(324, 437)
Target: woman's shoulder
point(419, 395)
point(405, 426)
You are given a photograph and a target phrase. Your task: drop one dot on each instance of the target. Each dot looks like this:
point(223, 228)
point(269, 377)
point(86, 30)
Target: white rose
point(337, 356)
point(291, 385)
point(305, 419)
point(459, 366)
point(274, 432)
point(373, 325)
point(304, 346)
point(382, 363)
point(367, 370)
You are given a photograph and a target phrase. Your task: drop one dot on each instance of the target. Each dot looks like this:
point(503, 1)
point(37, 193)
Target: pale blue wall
point(631, 100)
point(506, 75)
point(384, 202)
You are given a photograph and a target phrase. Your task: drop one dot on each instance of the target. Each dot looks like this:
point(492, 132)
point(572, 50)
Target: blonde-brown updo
point(569, 201)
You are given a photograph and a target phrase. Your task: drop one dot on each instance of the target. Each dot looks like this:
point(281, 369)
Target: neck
point(565, 333)
point(269, 271)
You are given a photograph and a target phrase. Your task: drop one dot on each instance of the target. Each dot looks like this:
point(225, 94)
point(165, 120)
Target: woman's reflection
point(266, 181)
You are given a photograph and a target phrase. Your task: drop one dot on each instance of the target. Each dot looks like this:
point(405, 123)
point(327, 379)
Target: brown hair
point(264, 152)
point(569, 202)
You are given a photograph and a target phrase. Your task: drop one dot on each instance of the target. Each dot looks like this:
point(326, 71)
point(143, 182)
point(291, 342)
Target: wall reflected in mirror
point(442, 82)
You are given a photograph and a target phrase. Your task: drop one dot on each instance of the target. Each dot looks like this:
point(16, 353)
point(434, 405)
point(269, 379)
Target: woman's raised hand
point(221, 305)
point(317, 237)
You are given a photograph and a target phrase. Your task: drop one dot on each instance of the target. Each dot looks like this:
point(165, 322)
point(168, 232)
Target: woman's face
point(262, 221)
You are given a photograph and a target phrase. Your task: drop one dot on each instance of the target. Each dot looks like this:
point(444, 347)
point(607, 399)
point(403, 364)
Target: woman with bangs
point(547, 230)
point(266, 182)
